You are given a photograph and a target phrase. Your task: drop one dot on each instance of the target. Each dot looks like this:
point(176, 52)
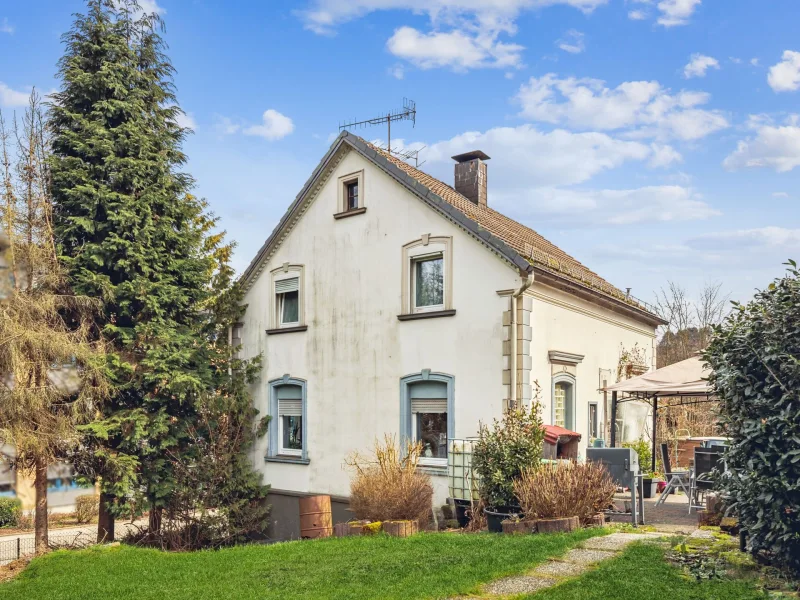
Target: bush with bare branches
point(388, 486)
point(554, 491)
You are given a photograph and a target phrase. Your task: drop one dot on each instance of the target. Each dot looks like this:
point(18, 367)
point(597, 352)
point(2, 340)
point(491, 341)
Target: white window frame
point(426, 247)
point(427, 461)
point(414, 265)
point(408, 421)
point(596, 406)
point(287, 271)
point(282, 449)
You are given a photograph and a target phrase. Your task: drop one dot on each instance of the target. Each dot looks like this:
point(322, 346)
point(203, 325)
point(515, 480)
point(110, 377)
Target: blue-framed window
point(288, 426)
point(427, 414)
point(563, 404)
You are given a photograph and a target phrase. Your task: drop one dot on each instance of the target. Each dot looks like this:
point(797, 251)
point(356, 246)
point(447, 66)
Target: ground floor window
point(427, 414)
point(594, 422)
point(287, 428)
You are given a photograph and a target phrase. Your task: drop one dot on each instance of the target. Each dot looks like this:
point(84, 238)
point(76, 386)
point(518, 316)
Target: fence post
point(18, 549)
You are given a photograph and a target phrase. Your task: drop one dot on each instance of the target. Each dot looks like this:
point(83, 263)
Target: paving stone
point(586, 557)
point(702, 534)
point(559, 569)
point(521, 584)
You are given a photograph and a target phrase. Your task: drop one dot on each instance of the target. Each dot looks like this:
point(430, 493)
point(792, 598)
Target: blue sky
point(652, 140)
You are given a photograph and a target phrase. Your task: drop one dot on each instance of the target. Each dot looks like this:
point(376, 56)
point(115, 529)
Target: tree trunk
point(40, 518)
point(154, 522)
point(105, 520)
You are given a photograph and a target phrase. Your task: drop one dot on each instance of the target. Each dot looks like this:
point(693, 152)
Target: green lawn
point(641, 573)
point(434, 565)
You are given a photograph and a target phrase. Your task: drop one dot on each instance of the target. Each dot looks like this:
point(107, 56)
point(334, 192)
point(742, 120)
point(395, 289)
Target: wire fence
point(21, 546)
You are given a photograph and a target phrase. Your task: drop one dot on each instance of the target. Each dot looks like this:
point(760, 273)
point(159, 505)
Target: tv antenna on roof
point(407, 113)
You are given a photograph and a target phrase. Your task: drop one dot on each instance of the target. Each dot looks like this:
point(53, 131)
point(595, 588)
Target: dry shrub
point(86, 508)
point(388, 486)
point(572, 489)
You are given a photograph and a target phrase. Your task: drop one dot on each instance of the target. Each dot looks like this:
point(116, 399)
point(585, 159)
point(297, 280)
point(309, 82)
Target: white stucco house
point(387, 301)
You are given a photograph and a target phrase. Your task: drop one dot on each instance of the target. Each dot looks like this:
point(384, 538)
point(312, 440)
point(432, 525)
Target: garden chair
point(675, 479)
point(705, 461)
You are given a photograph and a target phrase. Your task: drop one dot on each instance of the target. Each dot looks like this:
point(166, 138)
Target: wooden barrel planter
point(401, 528)
point(315, 517)
point(558, 525)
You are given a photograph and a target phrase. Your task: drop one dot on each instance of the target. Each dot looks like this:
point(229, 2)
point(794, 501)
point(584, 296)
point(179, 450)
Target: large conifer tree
point(132, 234)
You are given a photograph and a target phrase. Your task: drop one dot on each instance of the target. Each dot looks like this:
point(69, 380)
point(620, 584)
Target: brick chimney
point(471, 176)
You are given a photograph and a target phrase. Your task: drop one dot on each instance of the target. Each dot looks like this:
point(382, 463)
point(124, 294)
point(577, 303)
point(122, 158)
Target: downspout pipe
point(527, 281)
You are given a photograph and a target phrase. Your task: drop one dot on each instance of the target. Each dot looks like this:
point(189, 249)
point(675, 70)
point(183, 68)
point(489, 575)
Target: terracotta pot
point(558, 525)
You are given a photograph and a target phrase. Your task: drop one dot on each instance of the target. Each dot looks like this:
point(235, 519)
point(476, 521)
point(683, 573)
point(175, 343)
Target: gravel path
point(574, 563)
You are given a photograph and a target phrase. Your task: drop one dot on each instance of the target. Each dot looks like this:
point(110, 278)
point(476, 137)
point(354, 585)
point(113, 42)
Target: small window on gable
point(428, 283)
point(351, 195)
point(287, 302)
point(236, 339)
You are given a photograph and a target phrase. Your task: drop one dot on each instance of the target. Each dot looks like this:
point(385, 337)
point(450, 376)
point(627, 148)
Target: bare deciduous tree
point(51, 376)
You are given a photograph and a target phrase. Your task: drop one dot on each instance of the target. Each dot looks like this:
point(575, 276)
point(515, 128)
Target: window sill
point(431, 470)
point(294, 460)
point(286, 329)
point(350, 213)
point(427, 315)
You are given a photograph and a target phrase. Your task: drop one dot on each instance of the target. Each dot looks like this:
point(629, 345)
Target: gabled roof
point(521, 246)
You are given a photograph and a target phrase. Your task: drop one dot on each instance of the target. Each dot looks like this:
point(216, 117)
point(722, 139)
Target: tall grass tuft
point(554, 491)
point(388, 484)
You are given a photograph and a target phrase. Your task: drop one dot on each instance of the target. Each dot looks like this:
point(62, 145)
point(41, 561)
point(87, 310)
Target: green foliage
point(642, 448)
point(506, 449)
point(132, 234)
point(10, 511)
point(755, 357)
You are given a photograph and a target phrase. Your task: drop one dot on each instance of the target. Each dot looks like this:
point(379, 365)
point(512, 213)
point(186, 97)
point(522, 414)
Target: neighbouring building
point(386, 301)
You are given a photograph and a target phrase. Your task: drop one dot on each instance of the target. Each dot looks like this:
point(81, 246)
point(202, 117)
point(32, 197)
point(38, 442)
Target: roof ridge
point(526, 241)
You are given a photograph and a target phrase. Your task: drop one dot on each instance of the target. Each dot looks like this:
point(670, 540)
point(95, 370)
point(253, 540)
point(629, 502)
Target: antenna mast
point(407, 113)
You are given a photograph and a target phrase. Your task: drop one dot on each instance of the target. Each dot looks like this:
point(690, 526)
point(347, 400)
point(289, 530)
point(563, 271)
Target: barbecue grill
point(623, 466)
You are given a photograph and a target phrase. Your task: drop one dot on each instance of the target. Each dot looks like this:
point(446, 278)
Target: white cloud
point(742, 241)
point(666, 203)
point(6, 27)
point(186, 120)
point(456, 49)
point(572, 42)
point(397, 71)
point(637, 15)
point(664, 156)
point(780, 195)
point(274, 126)
point(643, 108)
point(524, 157)
point(676, 12)
point(785, 76)
point(226, 125)
point(151, 6)
point(698, 65)
point(323, 16)
point(774, 146)
point(10, 98)
point(754, 62)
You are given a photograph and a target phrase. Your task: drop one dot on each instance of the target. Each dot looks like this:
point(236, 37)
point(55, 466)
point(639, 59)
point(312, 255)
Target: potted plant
point(500, 455)
point(563, 496)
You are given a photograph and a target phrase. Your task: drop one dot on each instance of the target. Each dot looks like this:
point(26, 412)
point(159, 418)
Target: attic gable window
point(351, 195)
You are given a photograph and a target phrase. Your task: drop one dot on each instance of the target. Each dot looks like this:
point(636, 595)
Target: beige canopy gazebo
point(687, 379)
